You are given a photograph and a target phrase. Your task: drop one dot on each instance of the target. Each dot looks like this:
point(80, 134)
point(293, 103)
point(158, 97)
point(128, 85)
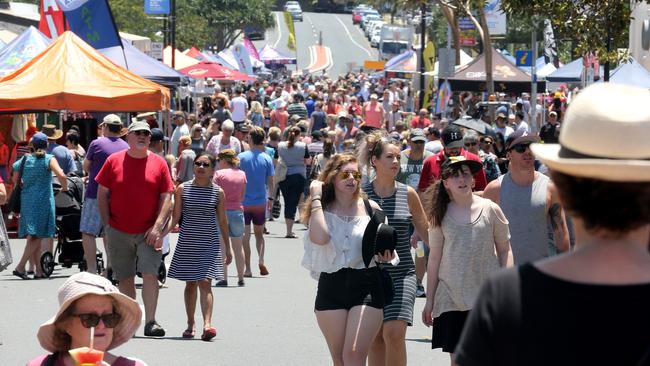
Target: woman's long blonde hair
point(326, 176)
point(256, 107)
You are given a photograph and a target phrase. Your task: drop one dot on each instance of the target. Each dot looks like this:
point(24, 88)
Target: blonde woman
point(256, 114)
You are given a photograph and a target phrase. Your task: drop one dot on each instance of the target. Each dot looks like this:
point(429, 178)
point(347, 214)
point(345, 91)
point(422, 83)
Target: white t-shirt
point(522, 127)
point(239, 108)
point(179, 132)
point(505, 131)
point(433, 146)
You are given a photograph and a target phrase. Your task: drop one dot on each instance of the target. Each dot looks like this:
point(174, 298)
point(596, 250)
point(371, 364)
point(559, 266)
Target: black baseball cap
point(452, 137)
point(158, 135)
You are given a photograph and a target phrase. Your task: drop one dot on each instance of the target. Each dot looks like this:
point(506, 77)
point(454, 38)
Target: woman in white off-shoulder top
point(350, 298)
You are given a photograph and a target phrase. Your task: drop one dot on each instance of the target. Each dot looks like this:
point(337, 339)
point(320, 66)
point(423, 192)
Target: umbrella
point(471, 123)
point(215, 71)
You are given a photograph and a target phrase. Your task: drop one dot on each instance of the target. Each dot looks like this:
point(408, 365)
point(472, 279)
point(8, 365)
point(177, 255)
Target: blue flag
point(92, 21)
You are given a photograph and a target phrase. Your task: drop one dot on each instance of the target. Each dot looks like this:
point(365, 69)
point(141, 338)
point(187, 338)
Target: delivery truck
point(394, 40)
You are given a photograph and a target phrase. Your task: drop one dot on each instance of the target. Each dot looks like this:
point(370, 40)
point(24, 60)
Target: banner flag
point(52, 22)
point(250, 47)
point(550, 47)
point(291, 44)
point(444, 94)
point(92, 21)
point(429, 63)
point(243, 59)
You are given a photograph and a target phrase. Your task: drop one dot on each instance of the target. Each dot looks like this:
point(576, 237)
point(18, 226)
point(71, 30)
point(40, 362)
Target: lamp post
point(423, 9)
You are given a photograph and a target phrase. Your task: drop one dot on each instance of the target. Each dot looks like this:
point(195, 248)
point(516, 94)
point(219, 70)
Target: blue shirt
point(311, 105)
point(63, 157)
point(258, 166)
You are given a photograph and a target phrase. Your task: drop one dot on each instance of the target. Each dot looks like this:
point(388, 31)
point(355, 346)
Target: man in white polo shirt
point(238, 107)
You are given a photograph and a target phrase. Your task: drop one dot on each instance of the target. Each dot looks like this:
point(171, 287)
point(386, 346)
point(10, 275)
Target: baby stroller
point(68, 217)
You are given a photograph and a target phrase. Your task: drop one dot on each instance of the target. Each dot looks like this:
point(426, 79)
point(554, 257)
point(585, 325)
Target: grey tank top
point(525, 209)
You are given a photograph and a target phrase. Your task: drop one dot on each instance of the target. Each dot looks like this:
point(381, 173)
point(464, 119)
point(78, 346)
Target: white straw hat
point(80, 285)
point(604, 135)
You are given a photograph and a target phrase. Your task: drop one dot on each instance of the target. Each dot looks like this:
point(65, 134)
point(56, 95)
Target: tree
point(599, 26)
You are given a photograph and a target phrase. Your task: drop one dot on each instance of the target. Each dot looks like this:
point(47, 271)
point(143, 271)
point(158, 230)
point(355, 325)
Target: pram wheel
point(83, 266)
point(47, 263)
point(100, 264)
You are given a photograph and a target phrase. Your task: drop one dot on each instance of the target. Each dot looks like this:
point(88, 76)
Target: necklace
point(383, 196)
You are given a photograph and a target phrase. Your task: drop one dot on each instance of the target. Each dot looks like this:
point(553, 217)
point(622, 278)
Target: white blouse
point(344, 248)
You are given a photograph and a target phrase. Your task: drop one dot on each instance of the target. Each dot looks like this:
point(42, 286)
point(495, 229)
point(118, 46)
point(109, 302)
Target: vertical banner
point(156, 7)
point(550, 47)
point(52, 22)
point(444, 93)
point(429, 62)
point(243, 59)
point(92, 21)
point(250, 47)
point(291, 44)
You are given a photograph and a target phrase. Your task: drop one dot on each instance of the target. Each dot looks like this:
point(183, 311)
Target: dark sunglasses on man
point(520, 148)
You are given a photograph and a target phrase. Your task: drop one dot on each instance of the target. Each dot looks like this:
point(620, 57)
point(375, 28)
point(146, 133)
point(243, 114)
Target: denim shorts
point(91, 222)
point(235, 223)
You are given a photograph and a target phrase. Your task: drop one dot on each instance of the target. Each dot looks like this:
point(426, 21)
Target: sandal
point(208, 334)
point(188, 333)
point(21, 275)
point(291, 236)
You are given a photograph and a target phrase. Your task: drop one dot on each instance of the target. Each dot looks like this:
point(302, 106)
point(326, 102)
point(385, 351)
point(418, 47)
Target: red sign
point(467, 41)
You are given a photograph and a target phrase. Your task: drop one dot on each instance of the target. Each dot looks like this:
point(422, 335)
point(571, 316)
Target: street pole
point(533, 91)
point(172, 20)
point(423, 10)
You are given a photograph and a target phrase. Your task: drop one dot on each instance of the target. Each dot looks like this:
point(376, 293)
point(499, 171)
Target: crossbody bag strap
point(369, 209)
point(20, 171)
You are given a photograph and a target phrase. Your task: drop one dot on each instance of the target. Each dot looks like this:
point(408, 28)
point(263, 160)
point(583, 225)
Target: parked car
point(291, 3)
point(368, 17)
point(296, 12)
point(370, 25)
point(376, 37)
point(358, 12)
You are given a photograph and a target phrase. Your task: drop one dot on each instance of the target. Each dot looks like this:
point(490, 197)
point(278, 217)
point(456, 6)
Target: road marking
point(277, 23)
point(331, 59)
point(321, 58)
point(352, 39)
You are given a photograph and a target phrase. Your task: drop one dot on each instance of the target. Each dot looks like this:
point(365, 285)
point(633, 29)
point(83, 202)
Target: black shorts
point(348, 288)
point(447, 329)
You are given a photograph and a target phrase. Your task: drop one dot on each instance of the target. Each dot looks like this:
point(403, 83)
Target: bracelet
point(315, 199)
point(316, 208)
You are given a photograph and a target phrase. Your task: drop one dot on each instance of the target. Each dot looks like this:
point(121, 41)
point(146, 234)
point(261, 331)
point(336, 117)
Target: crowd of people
point(331, 153)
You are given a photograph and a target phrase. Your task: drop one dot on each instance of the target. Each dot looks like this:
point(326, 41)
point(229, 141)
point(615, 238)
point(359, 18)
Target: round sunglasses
point(92, 320)
point(345, 174)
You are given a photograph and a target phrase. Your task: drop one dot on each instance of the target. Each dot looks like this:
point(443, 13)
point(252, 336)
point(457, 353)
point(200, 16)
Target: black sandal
point(21, 275)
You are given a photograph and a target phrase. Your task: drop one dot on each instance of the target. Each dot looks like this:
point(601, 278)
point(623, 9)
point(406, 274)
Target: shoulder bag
point(14, 200)
point(378, 237)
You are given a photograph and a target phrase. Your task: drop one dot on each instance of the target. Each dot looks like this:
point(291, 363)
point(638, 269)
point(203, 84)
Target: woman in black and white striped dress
point(197, 257)
point(402, 207)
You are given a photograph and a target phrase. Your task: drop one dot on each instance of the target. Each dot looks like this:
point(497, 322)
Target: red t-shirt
point(432, 166)
point(418, 122)
point(135, 187)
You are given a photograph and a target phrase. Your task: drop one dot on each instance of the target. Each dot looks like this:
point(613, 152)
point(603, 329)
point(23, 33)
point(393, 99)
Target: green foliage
point(586, 23)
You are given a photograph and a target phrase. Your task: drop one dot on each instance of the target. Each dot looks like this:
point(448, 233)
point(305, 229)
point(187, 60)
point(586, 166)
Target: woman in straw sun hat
point(589, 306)
point(87, 300)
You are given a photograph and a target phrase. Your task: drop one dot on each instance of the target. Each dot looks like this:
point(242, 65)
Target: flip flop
point(188, 333)
point(291, 236)
point(208, 334)
point(21, 275)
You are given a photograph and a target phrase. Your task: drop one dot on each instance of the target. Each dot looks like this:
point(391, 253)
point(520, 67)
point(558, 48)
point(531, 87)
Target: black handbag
point(377, 238)
point(14, 200)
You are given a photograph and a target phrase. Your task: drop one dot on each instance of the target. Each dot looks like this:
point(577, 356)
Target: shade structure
point(507, 77)
point(22, 49)
point(630, 73)
point(271, 56)
point(571, 72)
point(143, 65)
point(195, 53)
point(214, 71)
point(71, 75)
point(181, 60)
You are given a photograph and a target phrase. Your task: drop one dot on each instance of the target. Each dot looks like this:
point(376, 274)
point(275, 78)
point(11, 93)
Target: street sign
point(467, 41)
point(156, 50)
point(156, 7)
point(524, 58)
point(447, 61)
point(374, 65)
point(465, 23)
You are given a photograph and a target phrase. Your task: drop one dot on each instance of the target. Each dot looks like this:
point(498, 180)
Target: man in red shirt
point(421, 121)
point(452, 141)
point(134, 200)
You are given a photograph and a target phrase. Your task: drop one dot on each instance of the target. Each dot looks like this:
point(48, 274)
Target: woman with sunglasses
point(86, 301)
point(403, 209)
point(471, 141)
point(350, 297)
point(466, 232)
point(198, 256)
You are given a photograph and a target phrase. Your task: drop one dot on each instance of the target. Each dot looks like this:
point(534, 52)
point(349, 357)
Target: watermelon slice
point(85, 355)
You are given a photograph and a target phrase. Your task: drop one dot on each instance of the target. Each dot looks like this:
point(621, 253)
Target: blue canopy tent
point(571, 72)
point(143, 65)
point(2, 45)
point(631, 73)
point(22, 49)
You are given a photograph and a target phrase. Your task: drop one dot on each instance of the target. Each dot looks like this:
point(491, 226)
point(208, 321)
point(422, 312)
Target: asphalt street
point(270, 321)
point(345, 40)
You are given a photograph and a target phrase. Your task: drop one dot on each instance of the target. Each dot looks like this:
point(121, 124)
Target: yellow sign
point(429, 62)
point(291, 44)
point(374, 65)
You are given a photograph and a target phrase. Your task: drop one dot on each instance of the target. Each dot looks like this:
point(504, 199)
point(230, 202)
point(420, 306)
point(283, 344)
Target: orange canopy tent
point(71, 75)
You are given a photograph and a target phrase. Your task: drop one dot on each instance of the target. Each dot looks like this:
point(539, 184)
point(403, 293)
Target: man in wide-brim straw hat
point(589, 306)
point(61, 153)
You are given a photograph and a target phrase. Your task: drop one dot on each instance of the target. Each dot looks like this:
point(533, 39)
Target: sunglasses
point(201, 164)
point(345, 174)
point(91, 319)
point(488, 142)
point(471, 144)
point(520, 148)
point(142, 133)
